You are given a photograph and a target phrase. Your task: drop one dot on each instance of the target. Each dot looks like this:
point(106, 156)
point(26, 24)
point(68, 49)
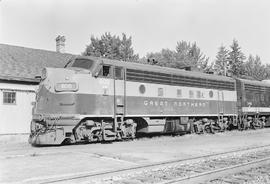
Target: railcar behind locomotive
point(253, 103)
point(96, 99)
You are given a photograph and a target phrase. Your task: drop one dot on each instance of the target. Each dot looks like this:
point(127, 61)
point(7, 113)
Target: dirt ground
point(22, 163)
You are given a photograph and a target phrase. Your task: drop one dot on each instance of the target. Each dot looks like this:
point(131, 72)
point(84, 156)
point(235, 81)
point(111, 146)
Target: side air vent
point(177, 80)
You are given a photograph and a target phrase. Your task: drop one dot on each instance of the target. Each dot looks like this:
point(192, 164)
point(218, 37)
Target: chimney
point(60, 44)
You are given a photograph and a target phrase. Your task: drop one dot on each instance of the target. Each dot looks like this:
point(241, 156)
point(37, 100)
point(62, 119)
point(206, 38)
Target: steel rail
point(214, 174)
point(138, 168)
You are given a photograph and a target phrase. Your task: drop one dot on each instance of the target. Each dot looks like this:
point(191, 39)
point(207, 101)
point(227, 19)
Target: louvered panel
point(177, 80)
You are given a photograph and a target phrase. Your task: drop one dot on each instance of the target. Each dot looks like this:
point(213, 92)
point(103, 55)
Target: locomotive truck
point(96, 99)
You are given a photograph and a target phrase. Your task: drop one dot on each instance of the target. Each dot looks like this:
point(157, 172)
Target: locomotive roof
point(257, 83)
point(154, 68)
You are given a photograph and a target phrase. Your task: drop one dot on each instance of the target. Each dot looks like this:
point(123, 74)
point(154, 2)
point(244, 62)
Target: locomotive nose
point(57, 92)
point(58, 79)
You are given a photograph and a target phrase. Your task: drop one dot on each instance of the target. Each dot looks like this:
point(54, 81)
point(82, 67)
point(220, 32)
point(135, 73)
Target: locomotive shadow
point(139, 136)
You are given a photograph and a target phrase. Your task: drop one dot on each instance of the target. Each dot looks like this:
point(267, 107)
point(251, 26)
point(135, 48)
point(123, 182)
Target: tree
point(185, 55)
point(267, 69)
point(191, 55)
point(236, 60)
point(126, 51)
point(255, 69)
point(111, 47)
point(197, 58)
point(221, 64)
point(165, 57)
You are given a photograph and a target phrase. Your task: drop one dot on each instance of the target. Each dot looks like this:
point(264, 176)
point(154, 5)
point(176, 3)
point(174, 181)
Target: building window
point(160, 92)
point(179, 93)
point(9, 97)
point(191, 94)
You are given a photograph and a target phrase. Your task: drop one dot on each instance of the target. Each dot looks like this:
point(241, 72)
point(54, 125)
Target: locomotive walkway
point(21, 163)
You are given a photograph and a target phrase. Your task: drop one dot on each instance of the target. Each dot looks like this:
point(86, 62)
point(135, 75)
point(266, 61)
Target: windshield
point(82, 63)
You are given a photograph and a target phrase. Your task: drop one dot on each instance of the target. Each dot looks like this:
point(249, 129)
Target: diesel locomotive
point(96, 99)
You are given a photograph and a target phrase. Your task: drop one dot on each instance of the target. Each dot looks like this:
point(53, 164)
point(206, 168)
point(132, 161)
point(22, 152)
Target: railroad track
point(192, 170)
point(259, 175)
point(208, 176)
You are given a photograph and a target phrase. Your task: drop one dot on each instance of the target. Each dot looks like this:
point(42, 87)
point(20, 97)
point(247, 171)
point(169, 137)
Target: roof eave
point(19, 79)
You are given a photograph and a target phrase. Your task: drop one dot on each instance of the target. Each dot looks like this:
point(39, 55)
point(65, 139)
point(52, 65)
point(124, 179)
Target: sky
point(153, 24)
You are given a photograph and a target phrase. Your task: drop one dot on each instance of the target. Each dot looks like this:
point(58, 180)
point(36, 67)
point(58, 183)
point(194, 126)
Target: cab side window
point(105, 71)
point(118, 73)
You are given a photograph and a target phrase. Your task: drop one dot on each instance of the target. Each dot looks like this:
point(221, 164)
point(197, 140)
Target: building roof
point(23, 64)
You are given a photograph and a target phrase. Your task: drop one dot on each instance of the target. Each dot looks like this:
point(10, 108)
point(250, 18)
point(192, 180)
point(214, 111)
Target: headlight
point(44, 74)
point(66, 86)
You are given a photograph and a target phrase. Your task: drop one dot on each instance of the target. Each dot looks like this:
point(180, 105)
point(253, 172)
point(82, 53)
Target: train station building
point(19, 68)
